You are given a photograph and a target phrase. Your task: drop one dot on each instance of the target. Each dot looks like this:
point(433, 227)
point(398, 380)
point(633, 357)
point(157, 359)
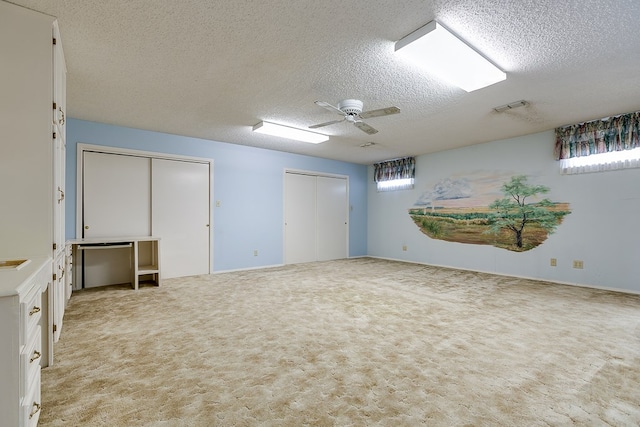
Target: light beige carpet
point(360, 342)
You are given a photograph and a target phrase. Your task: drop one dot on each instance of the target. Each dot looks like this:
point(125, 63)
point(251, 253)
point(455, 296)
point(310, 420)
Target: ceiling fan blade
point(326, 124)
point(329, 107)
point(365, 128)
point(381, 112)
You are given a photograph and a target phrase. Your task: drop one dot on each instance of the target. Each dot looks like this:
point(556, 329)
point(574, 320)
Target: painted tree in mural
point(514, 213)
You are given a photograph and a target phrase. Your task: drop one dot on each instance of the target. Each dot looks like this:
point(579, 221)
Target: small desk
point(144, 256)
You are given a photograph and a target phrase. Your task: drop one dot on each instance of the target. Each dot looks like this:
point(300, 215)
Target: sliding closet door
point(332, 211)
point(180, 205)
point(300, 218)
point(116, 193)
point(316, 212)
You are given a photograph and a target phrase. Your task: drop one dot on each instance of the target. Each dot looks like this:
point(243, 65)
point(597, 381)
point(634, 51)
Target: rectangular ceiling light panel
point(288, 132)
point(448, 57)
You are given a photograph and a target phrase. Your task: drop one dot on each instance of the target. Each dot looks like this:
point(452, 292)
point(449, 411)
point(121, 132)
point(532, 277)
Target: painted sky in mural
point(475, 189)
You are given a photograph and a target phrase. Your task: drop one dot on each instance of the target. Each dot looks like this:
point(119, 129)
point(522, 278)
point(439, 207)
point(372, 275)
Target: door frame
point(82, 148)
point(284, 203)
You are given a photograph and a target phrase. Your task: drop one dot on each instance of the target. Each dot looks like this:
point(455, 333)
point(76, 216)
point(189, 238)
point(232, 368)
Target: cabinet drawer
point(30, 361)
point(31, 405)
point(31, 311)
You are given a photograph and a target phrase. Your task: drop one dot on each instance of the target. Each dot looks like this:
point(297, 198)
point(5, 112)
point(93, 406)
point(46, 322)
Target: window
point(599, 145)
point(397, 174)
point(602, 162)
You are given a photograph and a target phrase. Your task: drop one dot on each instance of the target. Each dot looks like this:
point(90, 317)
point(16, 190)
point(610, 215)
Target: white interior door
point(180, 205)
point(116, 194)
point(300, 218)
point(332, 211)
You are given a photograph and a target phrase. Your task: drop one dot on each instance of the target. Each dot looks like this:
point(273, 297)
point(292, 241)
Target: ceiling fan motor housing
point(352, 107)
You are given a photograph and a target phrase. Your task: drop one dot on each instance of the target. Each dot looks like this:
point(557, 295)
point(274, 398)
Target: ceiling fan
point(351, 110)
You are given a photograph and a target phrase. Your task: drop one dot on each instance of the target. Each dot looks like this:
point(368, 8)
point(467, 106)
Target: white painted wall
point(602, 229)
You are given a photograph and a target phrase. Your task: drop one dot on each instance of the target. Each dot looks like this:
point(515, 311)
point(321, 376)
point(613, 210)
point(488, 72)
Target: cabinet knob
point(86, 227)
point(35, 409)
point(36, 356)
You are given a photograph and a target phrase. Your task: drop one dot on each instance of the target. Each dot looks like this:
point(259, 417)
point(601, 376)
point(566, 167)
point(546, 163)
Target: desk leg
point(134, 267)
point(158, 279)
point(75, 265)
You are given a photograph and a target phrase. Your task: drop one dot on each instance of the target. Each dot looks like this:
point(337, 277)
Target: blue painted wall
point(248, 182)
point(601, 230)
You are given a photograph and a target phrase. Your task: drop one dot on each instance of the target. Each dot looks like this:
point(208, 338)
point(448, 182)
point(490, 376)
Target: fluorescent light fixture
point(448, 57)
point(273, 129)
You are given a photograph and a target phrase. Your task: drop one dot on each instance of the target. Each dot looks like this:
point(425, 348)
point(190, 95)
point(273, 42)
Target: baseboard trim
point(555, 282)
point(261, 267)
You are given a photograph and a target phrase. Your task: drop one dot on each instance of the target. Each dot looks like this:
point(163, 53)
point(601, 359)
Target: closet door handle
point(34, 310)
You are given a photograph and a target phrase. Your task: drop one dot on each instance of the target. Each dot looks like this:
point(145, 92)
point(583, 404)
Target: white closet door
point(300, 218)
point(180, 206)
point(332, 211)
point(116, 194)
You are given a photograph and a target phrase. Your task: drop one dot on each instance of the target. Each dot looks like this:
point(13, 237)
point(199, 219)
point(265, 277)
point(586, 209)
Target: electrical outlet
point(578, 264)
point(404, 248)
point(255, 253)
point(554, 262)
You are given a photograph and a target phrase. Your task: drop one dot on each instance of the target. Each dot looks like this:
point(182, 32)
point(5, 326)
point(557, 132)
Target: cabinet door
point(300, 218)
point(59, 151)
point(180, 205)
point(25, 123)
point(332, 211)
point(57, 303)
point(58, 194)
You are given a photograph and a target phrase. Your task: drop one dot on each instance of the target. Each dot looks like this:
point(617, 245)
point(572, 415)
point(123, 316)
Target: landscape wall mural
point(504, 210)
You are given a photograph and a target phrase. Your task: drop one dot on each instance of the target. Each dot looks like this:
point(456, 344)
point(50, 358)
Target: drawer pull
point(34, 310)
point(36, 408)
point(36, 356)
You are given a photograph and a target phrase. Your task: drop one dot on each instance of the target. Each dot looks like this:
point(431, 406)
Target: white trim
point(81, 148)
point(314, 173)
point(141, 153)
point(261, 267)
point(555, 282)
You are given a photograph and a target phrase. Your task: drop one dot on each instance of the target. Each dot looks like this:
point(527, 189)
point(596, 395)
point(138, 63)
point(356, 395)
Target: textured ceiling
point(213, 69)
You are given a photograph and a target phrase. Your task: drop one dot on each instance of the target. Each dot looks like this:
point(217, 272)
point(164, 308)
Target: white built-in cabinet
point(32, 152)
point(23, 314)
point(316, 217)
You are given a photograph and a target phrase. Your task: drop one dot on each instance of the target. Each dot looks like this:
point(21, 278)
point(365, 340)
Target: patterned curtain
point(598, 136)
point(391, 170)
point(397, 174)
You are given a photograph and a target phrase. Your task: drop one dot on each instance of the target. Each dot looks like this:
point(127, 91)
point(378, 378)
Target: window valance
point(606, 135)
point(397, 174)
point(391, 170)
